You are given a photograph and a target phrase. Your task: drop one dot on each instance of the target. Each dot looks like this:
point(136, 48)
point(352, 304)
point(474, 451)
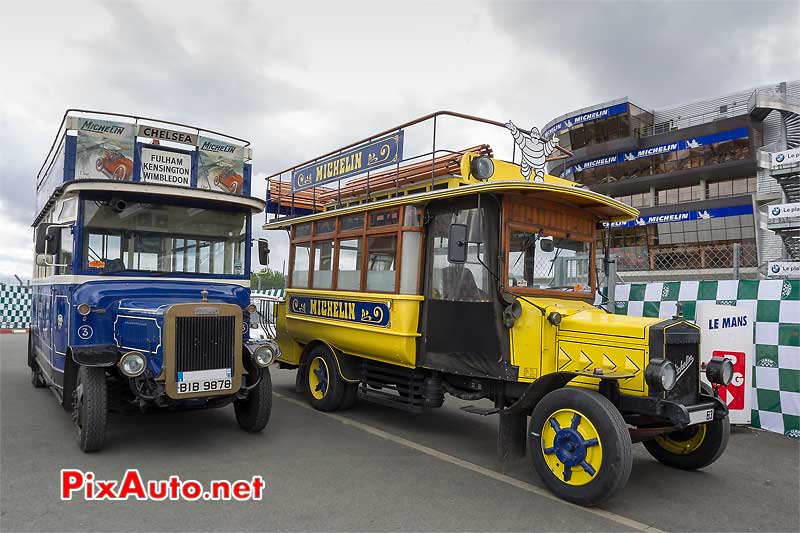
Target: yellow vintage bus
point(453, 274)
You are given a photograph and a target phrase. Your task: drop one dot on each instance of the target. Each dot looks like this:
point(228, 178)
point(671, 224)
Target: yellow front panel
point(579, 355)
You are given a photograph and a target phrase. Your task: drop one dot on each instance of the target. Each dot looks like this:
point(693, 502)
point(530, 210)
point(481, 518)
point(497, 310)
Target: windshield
point(150, 237)
point(533, 264)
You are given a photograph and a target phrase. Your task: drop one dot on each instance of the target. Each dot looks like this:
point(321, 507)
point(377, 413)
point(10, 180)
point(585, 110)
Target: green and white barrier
point(776, 307)
point(15, 306)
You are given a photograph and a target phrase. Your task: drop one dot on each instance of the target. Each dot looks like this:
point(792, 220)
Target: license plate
point(204, 381)
point(698, 417)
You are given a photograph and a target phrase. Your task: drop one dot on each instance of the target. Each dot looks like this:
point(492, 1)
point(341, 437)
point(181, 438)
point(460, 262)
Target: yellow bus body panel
point(396, 343)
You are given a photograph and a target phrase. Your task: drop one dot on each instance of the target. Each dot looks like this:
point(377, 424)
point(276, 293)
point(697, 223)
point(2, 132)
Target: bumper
point(708, 408)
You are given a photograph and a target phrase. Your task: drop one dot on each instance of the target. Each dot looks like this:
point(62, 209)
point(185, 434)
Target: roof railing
point(365, 179)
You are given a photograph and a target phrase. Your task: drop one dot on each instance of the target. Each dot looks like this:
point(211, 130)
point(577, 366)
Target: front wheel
point(252, 413)
point(691, 448)
point(89, 408)
point(580, 446)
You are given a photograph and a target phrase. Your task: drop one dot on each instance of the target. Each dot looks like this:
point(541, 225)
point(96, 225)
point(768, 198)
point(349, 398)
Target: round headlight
point(251, 308)
point(719, 371)
point(264, 355)
point(84, 309)
point(132, 364)
point(669, 375)
point(482, 167)
point(660, 375)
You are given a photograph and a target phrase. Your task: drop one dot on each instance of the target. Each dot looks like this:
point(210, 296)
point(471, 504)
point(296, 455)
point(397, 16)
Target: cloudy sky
point(299, 79)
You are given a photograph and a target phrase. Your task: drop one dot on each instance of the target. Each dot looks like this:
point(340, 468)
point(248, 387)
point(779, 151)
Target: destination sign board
point(163, 134)
point(371, 156)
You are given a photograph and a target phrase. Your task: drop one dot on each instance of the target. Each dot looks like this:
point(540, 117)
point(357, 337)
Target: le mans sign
point(373, 155)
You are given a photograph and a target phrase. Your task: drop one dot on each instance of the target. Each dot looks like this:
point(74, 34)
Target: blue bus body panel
point(128, 314)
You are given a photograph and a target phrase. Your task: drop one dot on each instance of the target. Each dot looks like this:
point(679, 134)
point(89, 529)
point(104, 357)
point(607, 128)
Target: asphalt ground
point(371, 468)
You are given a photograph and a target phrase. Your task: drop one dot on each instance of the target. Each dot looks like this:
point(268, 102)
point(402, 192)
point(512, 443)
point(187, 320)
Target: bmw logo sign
point(779, 158)
point(776, 210)
point(775, 269)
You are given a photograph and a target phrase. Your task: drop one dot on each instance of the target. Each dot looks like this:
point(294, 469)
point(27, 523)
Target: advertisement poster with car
point(105, 150)
point(727, 332)
point(221, 166)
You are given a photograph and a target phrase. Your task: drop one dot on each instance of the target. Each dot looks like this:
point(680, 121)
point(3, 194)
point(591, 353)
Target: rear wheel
point(89, 409)
point(691, 448)
point(326, 389)
point(252, 413)
point(580, 446)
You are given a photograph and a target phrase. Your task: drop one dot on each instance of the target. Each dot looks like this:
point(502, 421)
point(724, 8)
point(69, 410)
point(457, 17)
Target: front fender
point(100, 355)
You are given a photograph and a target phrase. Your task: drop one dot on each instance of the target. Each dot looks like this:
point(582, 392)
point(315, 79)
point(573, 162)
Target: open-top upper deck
point(373, 173)
point(111, 151)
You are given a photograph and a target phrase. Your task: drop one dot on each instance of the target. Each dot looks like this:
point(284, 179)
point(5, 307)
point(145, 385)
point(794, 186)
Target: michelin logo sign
point(586, 117)
point(684, 216)
point(685, 144)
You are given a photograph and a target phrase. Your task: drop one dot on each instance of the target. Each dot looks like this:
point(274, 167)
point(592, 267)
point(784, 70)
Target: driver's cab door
point(460, 313)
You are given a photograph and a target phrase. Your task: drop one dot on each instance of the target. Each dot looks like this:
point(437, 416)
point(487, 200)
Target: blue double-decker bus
point(141, 295)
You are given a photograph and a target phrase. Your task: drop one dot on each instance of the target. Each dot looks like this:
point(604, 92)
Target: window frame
point(364, 233)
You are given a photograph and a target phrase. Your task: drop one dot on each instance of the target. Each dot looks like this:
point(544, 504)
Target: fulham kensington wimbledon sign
point(166, 167)
point(373, 155)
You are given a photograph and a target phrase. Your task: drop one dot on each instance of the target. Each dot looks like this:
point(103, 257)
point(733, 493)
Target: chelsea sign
point(373, 155)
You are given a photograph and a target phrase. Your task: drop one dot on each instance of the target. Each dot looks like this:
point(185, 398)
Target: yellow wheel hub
point(571, 447)
point(318, 378)
point(683, 442)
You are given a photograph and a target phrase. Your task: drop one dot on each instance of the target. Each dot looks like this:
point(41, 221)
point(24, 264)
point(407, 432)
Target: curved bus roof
point(604, 207)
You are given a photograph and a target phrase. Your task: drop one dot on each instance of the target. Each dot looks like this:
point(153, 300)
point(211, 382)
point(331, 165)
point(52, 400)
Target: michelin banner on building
point(221, 166)
point(104, 150)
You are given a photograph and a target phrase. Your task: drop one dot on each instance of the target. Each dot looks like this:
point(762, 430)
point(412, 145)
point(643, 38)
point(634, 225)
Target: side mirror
point(457, 243)
point(546, 244)
point(44, 260)
point(47, 237)
point(263, 252)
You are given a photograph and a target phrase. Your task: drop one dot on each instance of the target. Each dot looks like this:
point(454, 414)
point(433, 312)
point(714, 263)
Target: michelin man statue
point(534, 151)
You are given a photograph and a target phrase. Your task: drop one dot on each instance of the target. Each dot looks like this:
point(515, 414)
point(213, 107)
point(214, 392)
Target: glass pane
point(352, 222)
point(325, 226)
point(565, 267)
point(163, 238)
point(302, 254)
point(349, 269)
point(382, 251)
point(323, 265)
point(467, 282)
point(302, 230)
point(384, 218)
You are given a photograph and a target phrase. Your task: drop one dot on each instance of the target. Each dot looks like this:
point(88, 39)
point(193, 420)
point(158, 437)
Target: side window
point(468, 282)
point(302, 254)
point(381, 264)
point(323, 265)
point(348, 277)
point(64, 256)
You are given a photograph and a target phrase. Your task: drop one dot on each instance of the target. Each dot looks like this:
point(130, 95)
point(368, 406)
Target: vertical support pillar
point(737, 247)
point(611, 282)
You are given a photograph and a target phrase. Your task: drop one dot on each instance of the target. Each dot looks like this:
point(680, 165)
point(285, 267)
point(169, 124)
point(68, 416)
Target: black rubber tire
point(90, 408)
point(617, 457)
point(252, 413)
point(334, 395)
point(714, 443)
point(350, 398)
